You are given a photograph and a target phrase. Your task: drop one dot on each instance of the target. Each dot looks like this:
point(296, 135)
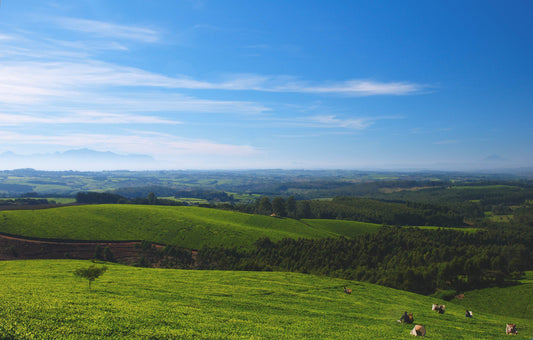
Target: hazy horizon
point(95, 161)
point(199, 84)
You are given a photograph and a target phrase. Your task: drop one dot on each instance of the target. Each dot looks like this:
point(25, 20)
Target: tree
point(91, 273)
point(265, 207)
point(98, 252)
point(291, 206)
point(108, 254)
point(278, 207)
point(303, 210)
point(152, 199)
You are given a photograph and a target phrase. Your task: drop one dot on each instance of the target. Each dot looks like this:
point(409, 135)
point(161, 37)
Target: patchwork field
point(43, 299)
point(189, 227)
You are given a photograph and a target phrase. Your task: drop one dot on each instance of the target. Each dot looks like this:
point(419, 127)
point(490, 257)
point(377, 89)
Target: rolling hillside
point(189, 227)
point(510, 302)
point(43, 299)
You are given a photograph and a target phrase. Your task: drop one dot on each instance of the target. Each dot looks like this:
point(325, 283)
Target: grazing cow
point(511, 329)
point(418, 330)
point(439, 308)
point(347, 290)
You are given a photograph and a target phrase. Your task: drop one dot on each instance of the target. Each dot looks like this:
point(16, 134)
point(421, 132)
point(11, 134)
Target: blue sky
point(204, 84)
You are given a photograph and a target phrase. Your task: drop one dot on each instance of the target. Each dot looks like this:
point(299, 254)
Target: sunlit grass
point(44, 300)
point(189, 227)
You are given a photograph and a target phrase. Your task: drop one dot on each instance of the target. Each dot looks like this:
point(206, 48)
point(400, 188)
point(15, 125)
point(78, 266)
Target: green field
point(189, 227)
point(340, 227)
point(43, 299)
point(510, 302)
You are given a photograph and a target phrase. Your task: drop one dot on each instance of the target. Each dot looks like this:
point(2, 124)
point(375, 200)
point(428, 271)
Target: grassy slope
point(511, 302)
point(190, 227)
point(340, 227)
point(42, 298)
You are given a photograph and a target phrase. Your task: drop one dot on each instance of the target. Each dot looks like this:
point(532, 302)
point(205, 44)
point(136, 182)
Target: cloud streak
point(109, 30)
point(82, 117)
point(332, 121)
point(29, 86)
point(143, 142)
point(251, 82)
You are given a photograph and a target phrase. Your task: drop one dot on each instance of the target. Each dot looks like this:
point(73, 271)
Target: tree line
point(412, 259)
point(363, 210)
point(110, 198)
point(162, 191)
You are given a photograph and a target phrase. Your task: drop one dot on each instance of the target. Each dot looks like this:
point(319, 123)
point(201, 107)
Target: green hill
point(43, 299)
point(190, 227)
point(510, 302)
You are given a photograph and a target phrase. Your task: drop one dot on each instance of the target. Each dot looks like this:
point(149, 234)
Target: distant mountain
point(80, 159)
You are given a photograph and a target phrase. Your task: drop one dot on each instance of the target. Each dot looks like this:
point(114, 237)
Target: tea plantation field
point(510, 302)
point(189, 227)
point(43, 299)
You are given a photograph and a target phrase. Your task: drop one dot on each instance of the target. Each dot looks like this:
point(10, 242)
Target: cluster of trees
point(364, 210)
point(412, 259)
point(168, 256)
point(25, 201)
point(209, 195)
point(265, 206)
point(109, 198)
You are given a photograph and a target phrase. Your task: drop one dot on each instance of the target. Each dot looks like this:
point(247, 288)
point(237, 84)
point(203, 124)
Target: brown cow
point(511, 329)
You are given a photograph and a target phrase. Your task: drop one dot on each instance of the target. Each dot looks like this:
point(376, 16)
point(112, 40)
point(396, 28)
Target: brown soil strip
point(18, 248)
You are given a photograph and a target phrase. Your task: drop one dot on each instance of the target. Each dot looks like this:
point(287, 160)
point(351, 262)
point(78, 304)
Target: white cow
point(438, 308)
point(418, 330)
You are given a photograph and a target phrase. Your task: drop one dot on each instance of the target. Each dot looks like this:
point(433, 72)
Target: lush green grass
point(190, 227)
point(511, 302)
point(43, 299)
point(345, 228)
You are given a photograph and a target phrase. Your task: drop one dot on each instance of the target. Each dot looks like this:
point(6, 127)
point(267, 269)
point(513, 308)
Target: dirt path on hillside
point(16, 248)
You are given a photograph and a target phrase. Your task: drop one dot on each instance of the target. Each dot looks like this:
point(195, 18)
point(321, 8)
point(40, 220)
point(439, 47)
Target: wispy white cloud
point(82, 117)
point(79, 74)
point(109, 30)
point(332, 121)
point(363, 88)
point(97, 73)
point(85, 46)
point(254, 82)
point(328, 122)
point(158, 144)
point(6, 37)
point(98, 85)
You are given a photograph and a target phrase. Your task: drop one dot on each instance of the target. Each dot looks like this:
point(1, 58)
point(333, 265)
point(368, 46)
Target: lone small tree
point(91, 273)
